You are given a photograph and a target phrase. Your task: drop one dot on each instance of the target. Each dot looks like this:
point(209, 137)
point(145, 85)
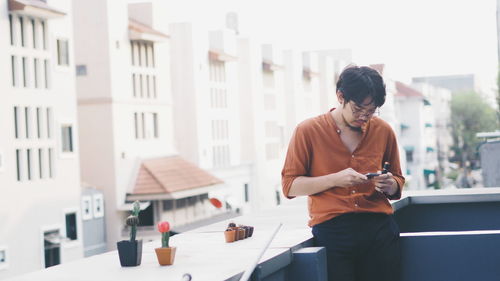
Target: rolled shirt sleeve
point(297, 160)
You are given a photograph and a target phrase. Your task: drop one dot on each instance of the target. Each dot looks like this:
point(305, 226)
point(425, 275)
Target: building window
point(3, 257)
point(140, 85)
point(409, 156)
point(155, 125)
point(13, 63)
point(153, 55)
point(71, 230)
point(50, 160)
point(25, 72)
point(98, 206)
point(134, 86)
point(11, 28)
point(29, 159)
point(52, 248)
point(34, 33)
point(132, 52)
point(16, 121)
point(21, 26)
point(38, 122)
point(147, 86)
point(44, 35)
point(62, 52)
point(143, 124)
point(46, 72)
point(35, 72)
point(40, 163)
point(136, 123)
point(139, 52)
point(247, 193)
point(49, 119)
point(18, 164)
point(168, 205)
point(278, 198)
point(86, 208)
point(154, 86)
point(67, 138)
point(27, 118)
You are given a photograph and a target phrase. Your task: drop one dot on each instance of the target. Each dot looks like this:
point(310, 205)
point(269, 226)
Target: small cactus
point(133, 220)
point(164, 229)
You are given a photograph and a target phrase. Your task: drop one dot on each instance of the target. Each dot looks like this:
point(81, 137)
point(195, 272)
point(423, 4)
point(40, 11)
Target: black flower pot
point(130, 252)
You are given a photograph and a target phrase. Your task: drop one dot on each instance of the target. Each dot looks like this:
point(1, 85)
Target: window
point(13, 63)
point(35, 72)
point(50, 160)
point(3, 257)
point(46, 72)
point(154, 86)
point(34, 33)
point(140, 85)
point(155, 125)
point(38, 123)
point(11, 28)
point(29, 158)
point(153, 55)
point(71, 231)
point(25, 72)
point(146, 52)
point(16, 121)
point(132, 52)
point(67, 138)
point(143, 124)
point(27, 118)
point(134, 89)
point(52, 248)
point(44, 35)
point(147, 86)
point(278, 198)
point(18, 164)
point(49, 119)
point(62, 52)
point(21, 26)
point(40, 163)
point(136, 122)
point(168, 205)
point(98, 206)
point(180, 203)
point(409, 156)
point(247, 197)
point(86, 208)
point(139, 54)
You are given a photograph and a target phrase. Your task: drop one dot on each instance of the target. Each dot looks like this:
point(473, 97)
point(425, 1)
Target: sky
point(412, 38)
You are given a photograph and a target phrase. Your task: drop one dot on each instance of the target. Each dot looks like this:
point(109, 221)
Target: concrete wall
point(490, 163)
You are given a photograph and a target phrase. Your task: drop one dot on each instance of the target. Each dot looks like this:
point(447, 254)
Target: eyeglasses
point(358, 111)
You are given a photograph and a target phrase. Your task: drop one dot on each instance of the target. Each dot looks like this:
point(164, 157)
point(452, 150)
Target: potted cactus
point(130, 251)
point(165, 254)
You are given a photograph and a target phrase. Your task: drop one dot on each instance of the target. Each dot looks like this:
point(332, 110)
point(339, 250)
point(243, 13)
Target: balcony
point(446, 235)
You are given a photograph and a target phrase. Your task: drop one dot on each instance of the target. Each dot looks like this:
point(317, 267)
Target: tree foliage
point(470, 114)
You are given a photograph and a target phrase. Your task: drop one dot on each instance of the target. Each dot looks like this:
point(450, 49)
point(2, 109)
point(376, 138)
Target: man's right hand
point(349, 177)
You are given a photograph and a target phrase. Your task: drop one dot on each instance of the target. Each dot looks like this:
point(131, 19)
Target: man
point(327, 160)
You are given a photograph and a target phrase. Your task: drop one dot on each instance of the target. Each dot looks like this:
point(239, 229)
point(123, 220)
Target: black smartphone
point(372, 175)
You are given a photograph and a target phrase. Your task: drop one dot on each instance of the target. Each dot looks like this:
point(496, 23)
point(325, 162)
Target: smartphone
point(372, 175)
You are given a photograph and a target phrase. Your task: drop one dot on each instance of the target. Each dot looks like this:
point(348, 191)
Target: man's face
point(357, 115)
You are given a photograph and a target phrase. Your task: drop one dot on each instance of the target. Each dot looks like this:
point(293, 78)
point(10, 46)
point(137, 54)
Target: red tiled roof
point(139, 27)
point(378, 67)
point(403, 90)
point(171, 174)
point(38, 5)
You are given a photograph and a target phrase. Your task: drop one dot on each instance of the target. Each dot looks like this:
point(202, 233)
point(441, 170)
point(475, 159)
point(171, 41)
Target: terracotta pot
point(236, 233)
point(165, 256)
point(230, 235)
point(250, 228)
point(130, 252)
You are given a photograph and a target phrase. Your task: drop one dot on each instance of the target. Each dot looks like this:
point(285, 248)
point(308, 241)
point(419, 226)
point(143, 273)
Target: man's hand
point(349, 177)
point(386, 184)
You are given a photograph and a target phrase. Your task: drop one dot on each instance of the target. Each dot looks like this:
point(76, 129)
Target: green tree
point(470, 114)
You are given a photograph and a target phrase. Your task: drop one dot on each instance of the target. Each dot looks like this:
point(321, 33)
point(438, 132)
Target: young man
point(327, 160)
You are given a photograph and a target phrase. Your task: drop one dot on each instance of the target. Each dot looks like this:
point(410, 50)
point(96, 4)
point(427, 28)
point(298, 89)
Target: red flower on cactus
point(163, 226)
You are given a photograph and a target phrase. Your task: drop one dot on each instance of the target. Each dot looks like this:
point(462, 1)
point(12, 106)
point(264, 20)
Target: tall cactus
point(133, 220)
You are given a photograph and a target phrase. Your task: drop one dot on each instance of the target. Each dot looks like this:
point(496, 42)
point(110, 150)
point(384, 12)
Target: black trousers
point(360, 247)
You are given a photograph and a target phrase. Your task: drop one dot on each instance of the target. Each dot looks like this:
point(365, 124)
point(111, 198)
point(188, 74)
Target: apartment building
point(417, 136)
point(39, 162)
point(206, 113)
point(125, 109)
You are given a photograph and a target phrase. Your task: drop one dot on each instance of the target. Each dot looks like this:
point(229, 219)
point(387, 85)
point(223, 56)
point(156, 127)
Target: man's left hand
point(386, 184)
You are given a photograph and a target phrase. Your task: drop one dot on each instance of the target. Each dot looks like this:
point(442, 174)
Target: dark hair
point(358, 83)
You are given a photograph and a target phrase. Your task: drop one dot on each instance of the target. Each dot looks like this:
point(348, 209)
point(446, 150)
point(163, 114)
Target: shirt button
point(353, 156)
point(338, 131)
point(356, 205)
point(354, 191)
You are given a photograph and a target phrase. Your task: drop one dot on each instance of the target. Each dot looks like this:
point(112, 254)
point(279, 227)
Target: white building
point(207, 117)
point(39, 164)
point(126, 116)
point(418, 137)
point(440, 101)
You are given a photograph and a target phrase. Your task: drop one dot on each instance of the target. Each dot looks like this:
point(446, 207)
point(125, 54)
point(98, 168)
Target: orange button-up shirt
point(317, 150)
